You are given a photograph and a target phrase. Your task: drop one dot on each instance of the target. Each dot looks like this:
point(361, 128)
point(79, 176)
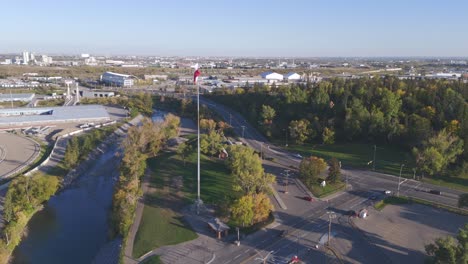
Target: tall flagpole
point(198, 138)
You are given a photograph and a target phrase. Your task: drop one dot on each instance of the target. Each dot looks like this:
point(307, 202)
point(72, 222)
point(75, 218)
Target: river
point(73, 227)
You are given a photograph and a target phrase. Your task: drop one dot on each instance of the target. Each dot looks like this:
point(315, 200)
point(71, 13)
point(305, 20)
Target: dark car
point(283, 233)
point(352, 213)
point(435, 192)
point(308, 198)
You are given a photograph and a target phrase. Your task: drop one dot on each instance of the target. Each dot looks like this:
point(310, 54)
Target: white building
point(16, 97)
point(292, 76)
point(117, 79)
point(272, 76)
point(96, 94)
point(25, 57)
point(84, 55)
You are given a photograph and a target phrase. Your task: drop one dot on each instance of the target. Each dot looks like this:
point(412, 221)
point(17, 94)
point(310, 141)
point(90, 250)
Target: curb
point(278, 199)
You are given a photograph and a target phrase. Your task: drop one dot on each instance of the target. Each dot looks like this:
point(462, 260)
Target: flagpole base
point(199, 205)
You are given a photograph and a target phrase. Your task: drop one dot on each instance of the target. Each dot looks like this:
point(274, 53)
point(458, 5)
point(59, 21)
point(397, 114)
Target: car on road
point(308, 198)
point(387, 192)
point(352, 213)
point(283, 233)
point(373, 197)
point(298, 156)
point(437, 192)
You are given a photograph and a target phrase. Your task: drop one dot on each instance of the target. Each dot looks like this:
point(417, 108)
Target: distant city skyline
point(238, 29)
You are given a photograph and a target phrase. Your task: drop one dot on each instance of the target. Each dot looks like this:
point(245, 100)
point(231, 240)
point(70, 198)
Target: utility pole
point(286, 173)
point(261, 150)
point(373, 162)
point(286, 129)
point(331, 215)
point(399, 177)
point(243, 128)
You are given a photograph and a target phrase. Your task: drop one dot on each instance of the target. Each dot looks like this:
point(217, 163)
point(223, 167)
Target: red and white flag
point(196, 73)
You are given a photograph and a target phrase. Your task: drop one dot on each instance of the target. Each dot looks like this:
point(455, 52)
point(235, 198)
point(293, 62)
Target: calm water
point(74, 225)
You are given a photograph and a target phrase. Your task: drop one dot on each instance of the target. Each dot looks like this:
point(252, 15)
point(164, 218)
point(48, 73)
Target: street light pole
point(243, 128)
point(399, 177)
point(373, 162)
point(287, 181)
point(331, 216)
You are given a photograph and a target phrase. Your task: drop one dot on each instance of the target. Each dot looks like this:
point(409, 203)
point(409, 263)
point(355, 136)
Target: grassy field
point(388, 159)
point(173, 186)
point(160, 227)
point(330, 188)
point(152, 260)
point(390, 200)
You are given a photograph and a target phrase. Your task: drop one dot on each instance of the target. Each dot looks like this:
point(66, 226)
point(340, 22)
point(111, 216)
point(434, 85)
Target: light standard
point(286, 133)
point(399, 177)
point(243, 128)
point(373, 162)
point(331, 215)
point(286, 173)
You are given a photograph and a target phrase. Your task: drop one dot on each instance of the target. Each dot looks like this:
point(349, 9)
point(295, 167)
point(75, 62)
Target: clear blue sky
point(237, 28)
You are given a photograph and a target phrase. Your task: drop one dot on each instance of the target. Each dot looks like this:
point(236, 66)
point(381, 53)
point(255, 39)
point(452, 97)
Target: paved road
point(307, 223)
point(368, 179)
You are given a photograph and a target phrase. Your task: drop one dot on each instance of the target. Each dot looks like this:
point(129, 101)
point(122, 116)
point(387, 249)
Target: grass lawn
point(161, 222)
point(390, 200)
point(160, 227)
point(152, 260)
point(330, 188)
point(388, 158)
point(451, 182)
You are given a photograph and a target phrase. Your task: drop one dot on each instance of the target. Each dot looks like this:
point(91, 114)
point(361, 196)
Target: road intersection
point(306, 223)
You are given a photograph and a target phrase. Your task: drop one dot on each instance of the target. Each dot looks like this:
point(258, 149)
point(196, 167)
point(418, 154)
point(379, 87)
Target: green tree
point(438, 152)
point(211, 144)
point(183, 150)
point(310, 169)
point(448, 250)
point(268, 114)
point(246, 168)
point(334, 171)
point(243, 210)
point(328, 136)
point(299, 130)
point(71, 156)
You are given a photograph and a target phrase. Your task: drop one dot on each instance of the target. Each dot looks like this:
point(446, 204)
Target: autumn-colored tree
point(262, 207)
point(310, 169)
point(208, 125)
point(183, 150)
point(243, 210)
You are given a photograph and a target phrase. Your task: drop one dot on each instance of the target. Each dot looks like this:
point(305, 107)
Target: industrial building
point(117, 79)
point(96, 94)
point(21, 117)
point(272, 76)
point(26, 97)
point(292, 76)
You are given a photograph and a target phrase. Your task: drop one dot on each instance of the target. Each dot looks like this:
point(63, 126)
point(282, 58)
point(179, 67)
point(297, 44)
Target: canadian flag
point(196, 73)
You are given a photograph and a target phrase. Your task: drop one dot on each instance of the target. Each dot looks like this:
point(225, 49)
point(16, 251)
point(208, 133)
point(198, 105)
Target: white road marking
point(237, 256)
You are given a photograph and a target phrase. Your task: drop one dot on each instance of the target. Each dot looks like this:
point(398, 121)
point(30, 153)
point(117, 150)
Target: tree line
point(427, 117)
point(142, 142)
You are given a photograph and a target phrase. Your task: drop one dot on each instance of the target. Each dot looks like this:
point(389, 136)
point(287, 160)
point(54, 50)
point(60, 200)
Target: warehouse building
point(117, 79)
point(21, 117)
point(26, 97)
point(272, 76)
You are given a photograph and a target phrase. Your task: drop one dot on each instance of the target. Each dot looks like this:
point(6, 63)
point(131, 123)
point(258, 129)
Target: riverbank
point(67, 179)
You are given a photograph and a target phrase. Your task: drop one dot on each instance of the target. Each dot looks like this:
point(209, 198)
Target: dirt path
point(128, 258)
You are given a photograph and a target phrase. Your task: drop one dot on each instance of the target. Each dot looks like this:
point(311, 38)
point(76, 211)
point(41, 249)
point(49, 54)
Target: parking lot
point(401, 232)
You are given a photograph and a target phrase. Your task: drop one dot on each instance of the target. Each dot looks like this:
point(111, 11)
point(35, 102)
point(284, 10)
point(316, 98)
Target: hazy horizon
point(267, 29)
